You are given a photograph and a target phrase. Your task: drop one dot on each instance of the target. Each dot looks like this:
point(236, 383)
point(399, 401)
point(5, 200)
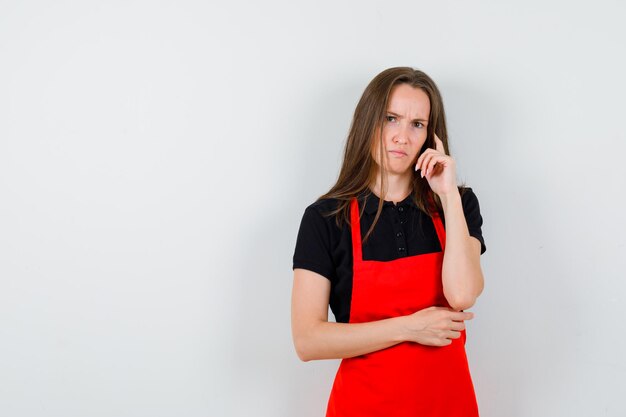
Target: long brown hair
point(358, 167)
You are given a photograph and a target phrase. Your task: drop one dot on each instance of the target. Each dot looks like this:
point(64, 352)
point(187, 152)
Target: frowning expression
point(404, 129)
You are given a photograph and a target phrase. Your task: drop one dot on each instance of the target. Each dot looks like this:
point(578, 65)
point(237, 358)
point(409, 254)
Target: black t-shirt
point(402, 230)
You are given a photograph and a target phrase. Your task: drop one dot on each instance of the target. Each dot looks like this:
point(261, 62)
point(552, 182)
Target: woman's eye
point(418, 124)
point(391, 118)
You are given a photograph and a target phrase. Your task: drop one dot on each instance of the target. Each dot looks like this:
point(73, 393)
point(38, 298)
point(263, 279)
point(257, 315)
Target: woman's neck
point(398, 187)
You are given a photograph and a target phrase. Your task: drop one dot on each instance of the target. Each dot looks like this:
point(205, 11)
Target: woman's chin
point(401, 171)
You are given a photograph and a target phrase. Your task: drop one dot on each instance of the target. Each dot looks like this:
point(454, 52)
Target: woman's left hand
point(438, 168)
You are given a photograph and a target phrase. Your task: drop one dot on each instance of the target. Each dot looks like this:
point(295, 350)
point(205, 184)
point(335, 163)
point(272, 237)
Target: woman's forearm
point(461, 274)
point(330, 340)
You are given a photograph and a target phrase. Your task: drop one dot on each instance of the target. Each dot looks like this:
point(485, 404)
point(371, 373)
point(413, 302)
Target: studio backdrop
point(156, 159)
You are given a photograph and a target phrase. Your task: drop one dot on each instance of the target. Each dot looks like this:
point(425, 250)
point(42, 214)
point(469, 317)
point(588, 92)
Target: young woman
point(394, 247)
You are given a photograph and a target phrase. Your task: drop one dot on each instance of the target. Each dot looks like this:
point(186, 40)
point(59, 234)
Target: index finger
point(439, 144)
point(462, 315)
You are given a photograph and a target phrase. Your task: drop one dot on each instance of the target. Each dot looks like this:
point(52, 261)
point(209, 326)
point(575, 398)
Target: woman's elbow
point(304, 342)
point(303, 349)
point(462, 303)
point(303, 357)
point(300, 349)
point(465, 298)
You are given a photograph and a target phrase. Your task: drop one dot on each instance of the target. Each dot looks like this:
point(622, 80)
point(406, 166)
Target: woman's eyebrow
point(397, 115)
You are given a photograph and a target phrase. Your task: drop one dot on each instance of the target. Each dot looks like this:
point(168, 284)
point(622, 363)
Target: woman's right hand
point(435, 326)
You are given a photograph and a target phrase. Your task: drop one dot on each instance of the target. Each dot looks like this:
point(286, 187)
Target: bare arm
point(461, 274)
point(316, 338)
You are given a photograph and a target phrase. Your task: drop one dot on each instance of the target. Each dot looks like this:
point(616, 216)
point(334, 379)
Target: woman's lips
point(397, 153)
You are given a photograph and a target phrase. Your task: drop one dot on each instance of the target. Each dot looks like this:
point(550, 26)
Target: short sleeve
point(474, 220)
point(313, 250)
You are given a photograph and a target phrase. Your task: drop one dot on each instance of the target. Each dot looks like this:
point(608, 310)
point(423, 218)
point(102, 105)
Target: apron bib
point(407, 379)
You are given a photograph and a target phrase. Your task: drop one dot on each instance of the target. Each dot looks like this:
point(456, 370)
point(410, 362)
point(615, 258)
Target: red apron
point(407, 379)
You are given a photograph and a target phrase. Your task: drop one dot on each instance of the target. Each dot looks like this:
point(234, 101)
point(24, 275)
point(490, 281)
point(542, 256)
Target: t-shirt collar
point(371, 201)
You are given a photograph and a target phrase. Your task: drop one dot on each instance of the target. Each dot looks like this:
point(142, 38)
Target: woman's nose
point(400, 139)
point(402, 135)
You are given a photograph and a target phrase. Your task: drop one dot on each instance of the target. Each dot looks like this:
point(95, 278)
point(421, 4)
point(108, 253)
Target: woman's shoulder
point(322, 211)
point(324, 206)
point(473, 217)
point(465, 189)
point(330, 213)
point(468, 197)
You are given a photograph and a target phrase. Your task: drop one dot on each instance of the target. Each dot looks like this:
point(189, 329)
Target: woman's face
point(404, 129)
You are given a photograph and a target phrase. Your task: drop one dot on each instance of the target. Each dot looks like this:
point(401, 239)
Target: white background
point(156, 158)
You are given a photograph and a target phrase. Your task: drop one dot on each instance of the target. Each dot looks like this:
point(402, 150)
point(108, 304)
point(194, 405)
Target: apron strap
point(355, 225)
point(441, 231)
